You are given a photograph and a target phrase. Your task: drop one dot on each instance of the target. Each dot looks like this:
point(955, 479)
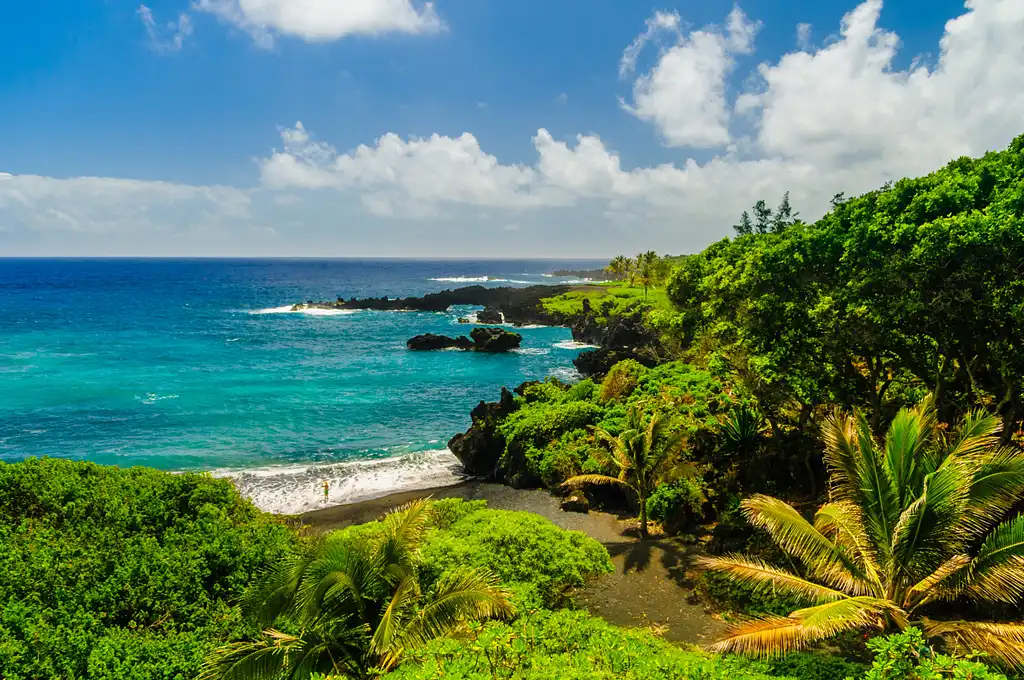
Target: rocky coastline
point(491, 340)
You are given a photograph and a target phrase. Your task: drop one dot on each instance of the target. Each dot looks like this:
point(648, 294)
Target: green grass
point(624, 299)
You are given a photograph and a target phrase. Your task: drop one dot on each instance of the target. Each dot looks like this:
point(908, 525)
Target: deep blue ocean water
point(196, 365)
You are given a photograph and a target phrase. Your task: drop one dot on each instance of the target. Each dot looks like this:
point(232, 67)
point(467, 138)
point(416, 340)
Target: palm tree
point(913, 522)
point(353, 609)
point(642, 453)
point(619, 266)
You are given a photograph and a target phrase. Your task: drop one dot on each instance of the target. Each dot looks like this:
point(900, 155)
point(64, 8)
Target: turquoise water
point(196, 365)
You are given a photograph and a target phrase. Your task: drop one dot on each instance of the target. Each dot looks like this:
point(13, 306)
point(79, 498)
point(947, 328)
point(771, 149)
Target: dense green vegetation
point(914, 521)
point(123, 574)
point(915, 289)
point(903, 518)
point(354, 608)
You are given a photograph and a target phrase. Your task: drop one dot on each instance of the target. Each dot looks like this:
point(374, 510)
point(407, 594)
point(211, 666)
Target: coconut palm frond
point(581, 480)
point(976, 433)
point(998, 569)
point(936, 585)
point(929, 529)
point(1001, 641)
point(839, 432)
point(998, 484)
point(761, 575)
point(798, 537)
point(263, 660)
point(765, 637)
point(844, 521)
point(393, 618)
point(856, 612)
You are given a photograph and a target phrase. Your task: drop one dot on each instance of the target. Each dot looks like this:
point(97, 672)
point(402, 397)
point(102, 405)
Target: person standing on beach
point(326, 490)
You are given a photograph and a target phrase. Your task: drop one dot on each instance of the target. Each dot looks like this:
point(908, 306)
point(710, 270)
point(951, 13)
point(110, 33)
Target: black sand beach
point(649, 587)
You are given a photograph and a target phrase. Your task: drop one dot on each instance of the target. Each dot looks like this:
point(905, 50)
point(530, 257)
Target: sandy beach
point(649, 587)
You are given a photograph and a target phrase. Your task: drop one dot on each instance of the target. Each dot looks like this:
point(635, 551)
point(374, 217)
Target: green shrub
point(563, 458)
point(536, 424)
point(808, 666)
point(111, 573)
point(566, 645)
point(522, 548)
point(621, 380)
point(743, 598)
point(907, 656)
point(674, 503)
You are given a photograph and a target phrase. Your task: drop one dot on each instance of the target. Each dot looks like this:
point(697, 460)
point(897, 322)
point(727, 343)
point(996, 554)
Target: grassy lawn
point(624, 298)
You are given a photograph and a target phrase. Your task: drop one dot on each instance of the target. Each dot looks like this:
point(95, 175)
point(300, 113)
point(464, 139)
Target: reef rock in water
point(483, 340)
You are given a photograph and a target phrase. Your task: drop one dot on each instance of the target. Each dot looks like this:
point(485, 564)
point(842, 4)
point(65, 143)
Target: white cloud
point(101, 205)
point(840, 117)
point(803, 36)
point(167, 39)
point(562, 99)
point(684, 94)
point(413, 177)
point(323, 20)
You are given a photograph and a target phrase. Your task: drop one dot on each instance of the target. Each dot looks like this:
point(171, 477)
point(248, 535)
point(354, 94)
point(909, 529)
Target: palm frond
point(765, 637)
point(581, 480)
point(929, 530)
point(392, 620)
point(935, 585)
point(998, 484)
point(1002, 641)
point(763, 576)
point(798, 537)
point(460, 595)
point(839, 432)
point(855, 612)
point(843, 519)
point(998, 569)
point(262, 660)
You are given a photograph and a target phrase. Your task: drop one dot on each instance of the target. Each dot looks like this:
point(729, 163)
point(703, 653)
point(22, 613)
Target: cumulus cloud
point(840, 117)
point(166, 39)
point(101, 205)
point(684, 93)
point(323, 20)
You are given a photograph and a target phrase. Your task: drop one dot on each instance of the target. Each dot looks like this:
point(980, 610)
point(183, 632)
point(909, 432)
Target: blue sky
point(130, 129)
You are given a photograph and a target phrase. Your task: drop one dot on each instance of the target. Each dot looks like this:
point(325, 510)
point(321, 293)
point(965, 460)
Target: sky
point(476, 128)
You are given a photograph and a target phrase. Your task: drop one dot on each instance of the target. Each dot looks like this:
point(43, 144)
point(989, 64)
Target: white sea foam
point(294, 489)
point(476, 279)
point(531, 351)
point(152, 397)
point(566, 374)
point(572, 344)
point(310, 311)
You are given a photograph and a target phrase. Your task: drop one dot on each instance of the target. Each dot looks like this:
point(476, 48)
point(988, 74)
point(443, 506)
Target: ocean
point(199, 365)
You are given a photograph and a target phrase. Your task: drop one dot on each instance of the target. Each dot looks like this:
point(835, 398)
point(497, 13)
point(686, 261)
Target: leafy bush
point(729, 596)
point(907, 656)
point(536, 424)
point(563, 458)
point(808, 666)
point(111, 573)
point(621, 380)
point(525, 550)
point(674, 503)
point(566, 645)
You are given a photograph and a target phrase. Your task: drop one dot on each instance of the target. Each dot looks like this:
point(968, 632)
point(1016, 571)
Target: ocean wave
point(476, 279)
point(531, 351)
point(566, 374)
point(572, 344)
point(295, 489)
point(152, 397)
point(465, 279)
point(309, 311)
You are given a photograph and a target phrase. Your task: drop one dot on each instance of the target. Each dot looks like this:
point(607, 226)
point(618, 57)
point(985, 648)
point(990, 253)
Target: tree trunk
point(643, 517)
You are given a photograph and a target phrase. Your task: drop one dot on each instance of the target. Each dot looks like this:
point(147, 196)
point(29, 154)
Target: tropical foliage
point(355, 607)
point(109, 574)
point(913, 521)
point(642, 455)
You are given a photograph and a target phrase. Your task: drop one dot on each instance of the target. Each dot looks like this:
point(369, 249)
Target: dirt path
point(648, 587)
